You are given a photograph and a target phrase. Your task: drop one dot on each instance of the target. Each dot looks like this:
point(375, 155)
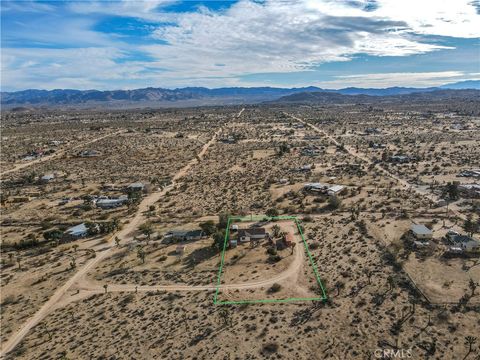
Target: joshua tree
point(75, 247)
point(391, 282)
point(19, 261)
point(47, 331)
point(224, 315)
point(470, 341)
point(117, 241)
point(472, 285)
point(146, 229)
point(276, 230)
point(10, 257)
point(339, 285)
point(141, 254)
point(73, 263)
point(105, 286)
point(369, 274)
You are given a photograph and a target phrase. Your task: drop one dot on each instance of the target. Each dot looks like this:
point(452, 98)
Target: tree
point(339, 285)
point(452, 190)
point(272, 212)
point(276, 230)
point(208, 227)
point(141, 254)
point(19, 261)
point(470, 226)
point(92, 228)
point(146, 229)
point(470, 341)
point(223, 220)
point(73, 263)
point(52, 235)
point(75, 247)
point(115, 224)
point(219, 240)
point(334, 202)
point(117, 241)
point(472, 285)
point(105, 286)
point(225, 316)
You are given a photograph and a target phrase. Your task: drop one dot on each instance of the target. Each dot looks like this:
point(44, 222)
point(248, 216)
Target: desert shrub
point(274, 258)
point(272, 251)
point(270, 348)
point(275, 288)
point(162, 258)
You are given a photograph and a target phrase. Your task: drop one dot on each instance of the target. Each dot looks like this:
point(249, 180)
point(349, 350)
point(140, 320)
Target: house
point(47, 178)
point(372, 131)
point(195, 235)
point(76, 232)
point(335, 189)
point(469, 190)
point(233, 227)
point(112, 203)
point(464, 242)
point(88, 153)
point(138, 186)
point(233, 243)
point(183, 235)
point(421, 232)
point(400, 159)
point(470, 173)
point(245, 235)
point(324, 188)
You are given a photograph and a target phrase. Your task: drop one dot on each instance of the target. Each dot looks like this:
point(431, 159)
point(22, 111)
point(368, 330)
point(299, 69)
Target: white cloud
point(382, 80)
point(278, 36)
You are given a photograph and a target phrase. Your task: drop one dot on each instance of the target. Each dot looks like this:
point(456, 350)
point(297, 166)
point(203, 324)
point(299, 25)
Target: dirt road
point(432, 197)
point(57, 154)
point(124, 235)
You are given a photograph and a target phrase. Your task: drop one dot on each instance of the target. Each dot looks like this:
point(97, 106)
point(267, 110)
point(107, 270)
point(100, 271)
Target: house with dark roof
point(245, 235)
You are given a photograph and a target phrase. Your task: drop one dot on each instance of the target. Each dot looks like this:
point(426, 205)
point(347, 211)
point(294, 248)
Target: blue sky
point(288, 43)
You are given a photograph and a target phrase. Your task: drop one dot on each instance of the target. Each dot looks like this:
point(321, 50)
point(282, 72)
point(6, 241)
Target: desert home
point(246, 235)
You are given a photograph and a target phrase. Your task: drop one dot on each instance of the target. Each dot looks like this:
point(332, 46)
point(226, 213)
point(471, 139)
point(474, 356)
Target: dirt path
point(57, 154)
point(240, 112)
point(432, 197)
point(124, 234)
point(88, 287)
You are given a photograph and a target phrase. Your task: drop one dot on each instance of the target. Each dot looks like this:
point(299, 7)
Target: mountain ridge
point(195, 95)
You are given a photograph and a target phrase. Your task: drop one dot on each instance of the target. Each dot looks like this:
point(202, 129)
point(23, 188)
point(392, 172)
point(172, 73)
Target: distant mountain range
point(194, 96)
point(434, 95)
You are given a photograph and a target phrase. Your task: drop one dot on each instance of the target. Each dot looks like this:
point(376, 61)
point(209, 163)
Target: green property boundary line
point(266, 218)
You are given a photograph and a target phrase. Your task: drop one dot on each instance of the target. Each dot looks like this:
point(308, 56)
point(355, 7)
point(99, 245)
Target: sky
point(332, 44)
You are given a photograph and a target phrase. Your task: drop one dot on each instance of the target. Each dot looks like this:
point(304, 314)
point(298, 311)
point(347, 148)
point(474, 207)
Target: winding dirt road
point(124, 234)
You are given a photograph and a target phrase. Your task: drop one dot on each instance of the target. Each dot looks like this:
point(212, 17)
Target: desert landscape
point(127, 251)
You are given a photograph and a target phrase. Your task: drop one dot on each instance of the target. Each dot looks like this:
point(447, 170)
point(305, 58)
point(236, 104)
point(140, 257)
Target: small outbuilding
point(181, 249)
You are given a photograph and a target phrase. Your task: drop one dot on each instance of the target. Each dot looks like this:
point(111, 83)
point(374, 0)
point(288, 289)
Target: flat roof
point(421, 229)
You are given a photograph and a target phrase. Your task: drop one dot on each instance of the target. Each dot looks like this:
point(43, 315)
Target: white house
point(421, 232)
point(112, 203)
point(77, 231)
